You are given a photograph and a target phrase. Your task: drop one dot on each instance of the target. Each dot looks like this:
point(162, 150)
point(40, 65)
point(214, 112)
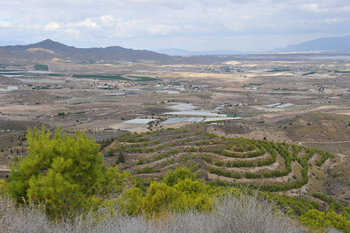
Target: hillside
point(174, 180)
point(224, 161)
point(319, 127)
point(321, 44)
point(8, 81)
point(48, 50)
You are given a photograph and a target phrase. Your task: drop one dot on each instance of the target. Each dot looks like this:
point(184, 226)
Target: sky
point(195, 25)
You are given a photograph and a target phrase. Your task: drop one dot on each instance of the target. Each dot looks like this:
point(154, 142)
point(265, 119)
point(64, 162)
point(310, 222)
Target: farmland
point(278, 126)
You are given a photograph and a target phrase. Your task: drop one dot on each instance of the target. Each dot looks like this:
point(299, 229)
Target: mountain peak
point(52, 45)
point(48, 41)
point(322, 44)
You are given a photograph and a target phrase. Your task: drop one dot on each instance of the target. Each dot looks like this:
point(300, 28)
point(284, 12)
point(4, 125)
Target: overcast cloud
point(245, 25)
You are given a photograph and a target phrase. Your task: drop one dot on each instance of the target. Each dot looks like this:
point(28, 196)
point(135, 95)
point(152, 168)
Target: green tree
point(65, 171)
point(121, 158)
point(173, 177)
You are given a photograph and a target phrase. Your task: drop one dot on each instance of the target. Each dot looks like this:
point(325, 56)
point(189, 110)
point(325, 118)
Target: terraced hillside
point(221, 161)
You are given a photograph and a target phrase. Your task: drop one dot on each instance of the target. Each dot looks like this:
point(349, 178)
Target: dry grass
point(233, 214)
point(320, 127)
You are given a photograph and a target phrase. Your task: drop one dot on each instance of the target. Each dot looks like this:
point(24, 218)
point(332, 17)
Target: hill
point(225, 161)
point(321, 44)
point(48, 50)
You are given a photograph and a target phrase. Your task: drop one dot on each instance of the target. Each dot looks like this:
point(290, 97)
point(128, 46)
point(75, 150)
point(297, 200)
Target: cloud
point(335, 20)
point(152, 23)
point(5, 24)
point(163, 29)
point(313, 7)
point(52, 26)
point(108, 19)
point(87, 23)
point(73, 33)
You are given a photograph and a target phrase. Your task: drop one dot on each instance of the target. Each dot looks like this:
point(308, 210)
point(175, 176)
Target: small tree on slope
point(65, 171)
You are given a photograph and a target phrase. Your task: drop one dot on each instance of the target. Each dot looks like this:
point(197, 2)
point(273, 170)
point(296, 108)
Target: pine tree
point(66, 171)
point(121, 158)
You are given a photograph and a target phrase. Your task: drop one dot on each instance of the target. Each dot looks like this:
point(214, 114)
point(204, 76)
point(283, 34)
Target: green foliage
point(218, 163)
point(338, 205)
point(239, 149)
point(121, 157)
point(316, 220)
point(184, 159)
point(64, 170)
point(131, 201)
point(324, 157)
point(110, 153)
point(105, 143)
point(345, 212)
point(253, 175)
point(166, 154)
point(148, 170)
point(321, 196)
point(140, 162)
point(221, 172)
point(180, 173)
point(206, 158)
point(144, 79)
point(180, 191)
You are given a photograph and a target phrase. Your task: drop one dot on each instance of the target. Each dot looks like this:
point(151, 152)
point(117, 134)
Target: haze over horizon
point(241, 25)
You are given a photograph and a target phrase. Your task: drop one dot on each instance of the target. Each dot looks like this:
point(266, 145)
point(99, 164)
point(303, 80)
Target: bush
point(251, 175)
point(66, 171)
point(218, 163)
point(140, 162)
point(206, 158)
point(221, 172)
point(148, 170)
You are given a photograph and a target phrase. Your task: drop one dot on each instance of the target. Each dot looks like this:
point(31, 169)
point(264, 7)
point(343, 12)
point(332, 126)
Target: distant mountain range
point(182, 52)
point(341, 44)
point(51, 50)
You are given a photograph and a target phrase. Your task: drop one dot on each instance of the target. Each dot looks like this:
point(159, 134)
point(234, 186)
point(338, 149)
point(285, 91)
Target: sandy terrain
point(23, 109)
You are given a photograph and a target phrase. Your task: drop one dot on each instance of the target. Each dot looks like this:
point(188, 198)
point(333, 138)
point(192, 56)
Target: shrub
point(67, 171)
point(206, 158)
point(218, 163)
point(140, 162)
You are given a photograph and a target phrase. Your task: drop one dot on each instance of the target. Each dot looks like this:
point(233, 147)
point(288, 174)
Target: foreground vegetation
point(233, 214)
point(63, 186)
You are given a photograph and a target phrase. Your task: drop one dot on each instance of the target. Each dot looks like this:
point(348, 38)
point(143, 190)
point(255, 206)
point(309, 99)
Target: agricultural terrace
point(221, 161)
